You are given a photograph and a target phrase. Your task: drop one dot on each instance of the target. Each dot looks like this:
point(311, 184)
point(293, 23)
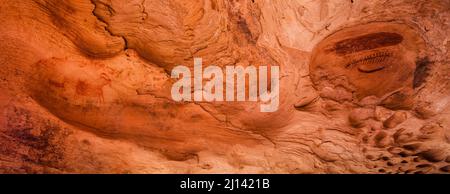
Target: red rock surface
point(86, 86)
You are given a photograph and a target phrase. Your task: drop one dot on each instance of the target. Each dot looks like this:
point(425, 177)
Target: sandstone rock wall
point(364, 86)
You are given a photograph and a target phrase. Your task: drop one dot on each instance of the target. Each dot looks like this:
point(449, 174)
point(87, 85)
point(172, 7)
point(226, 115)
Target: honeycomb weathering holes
point(367, 60)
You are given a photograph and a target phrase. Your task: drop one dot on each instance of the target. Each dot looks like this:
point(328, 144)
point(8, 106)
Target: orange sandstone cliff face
point(85, 86)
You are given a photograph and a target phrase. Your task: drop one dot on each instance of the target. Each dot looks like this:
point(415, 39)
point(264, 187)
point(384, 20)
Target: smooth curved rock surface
point(364, 86)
